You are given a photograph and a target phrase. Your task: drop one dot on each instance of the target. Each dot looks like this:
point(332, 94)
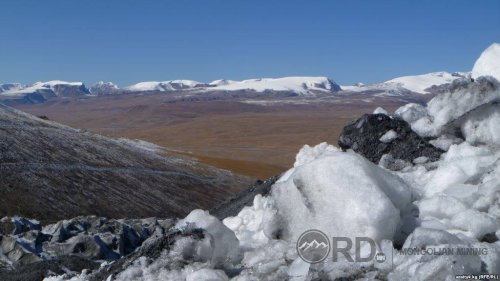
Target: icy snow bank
point(488, 63)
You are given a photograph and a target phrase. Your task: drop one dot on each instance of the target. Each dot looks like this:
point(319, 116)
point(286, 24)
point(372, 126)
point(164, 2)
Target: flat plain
point(256, 138)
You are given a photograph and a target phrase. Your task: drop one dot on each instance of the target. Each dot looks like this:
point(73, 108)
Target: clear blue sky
point(131, 41)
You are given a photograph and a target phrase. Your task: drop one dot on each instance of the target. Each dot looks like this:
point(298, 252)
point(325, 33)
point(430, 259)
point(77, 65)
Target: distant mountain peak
point(104, 88)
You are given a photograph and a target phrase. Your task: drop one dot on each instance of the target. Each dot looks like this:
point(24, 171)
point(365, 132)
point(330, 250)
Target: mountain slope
point(58, 88)
point(104, 88)
point(50, 171)
point(421, 84)
point(298, 85)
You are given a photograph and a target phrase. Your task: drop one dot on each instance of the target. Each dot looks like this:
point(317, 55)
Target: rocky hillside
point(51, 172)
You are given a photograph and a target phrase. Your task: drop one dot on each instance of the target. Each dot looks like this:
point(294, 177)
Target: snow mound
point(488, 64)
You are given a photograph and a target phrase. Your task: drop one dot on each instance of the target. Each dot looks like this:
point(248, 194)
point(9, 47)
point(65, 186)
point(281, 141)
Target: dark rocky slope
point(51, 172)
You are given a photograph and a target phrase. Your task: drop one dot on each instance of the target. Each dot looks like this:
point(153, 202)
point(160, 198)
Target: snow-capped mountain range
point(302, 86)
point(488, 63)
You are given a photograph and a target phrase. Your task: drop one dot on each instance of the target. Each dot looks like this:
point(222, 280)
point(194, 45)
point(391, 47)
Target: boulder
point(375, 135)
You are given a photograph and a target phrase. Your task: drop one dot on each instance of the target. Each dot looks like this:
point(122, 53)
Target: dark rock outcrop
point(375, 135)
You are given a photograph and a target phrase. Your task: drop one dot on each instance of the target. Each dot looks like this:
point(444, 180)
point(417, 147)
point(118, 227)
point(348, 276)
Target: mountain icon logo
point(313, 246)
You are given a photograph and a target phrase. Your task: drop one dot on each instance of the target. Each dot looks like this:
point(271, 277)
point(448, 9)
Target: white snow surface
point(488, 63)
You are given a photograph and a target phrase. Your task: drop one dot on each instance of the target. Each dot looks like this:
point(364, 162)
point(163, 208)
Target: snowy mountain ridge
point(55, 87)
point(420, 84)
point(304, 86)
point(299, 85)
point(429, 83)
point(165, 86)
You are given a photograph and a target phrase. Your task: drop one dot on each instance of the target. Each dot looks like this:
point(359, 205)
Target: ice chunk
point(441, 207)
point(475, 222)
point(411, 112)
point(298, 270)
point(445, 141)
point(423, 237)
point(206, 274)
point(482, 126)
point(388, 136)
point(256, 225)
point(461, 163)
point(488, 63)
point(226, 245)
point(492, 257)
point(342, 194)
point(420, 160)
